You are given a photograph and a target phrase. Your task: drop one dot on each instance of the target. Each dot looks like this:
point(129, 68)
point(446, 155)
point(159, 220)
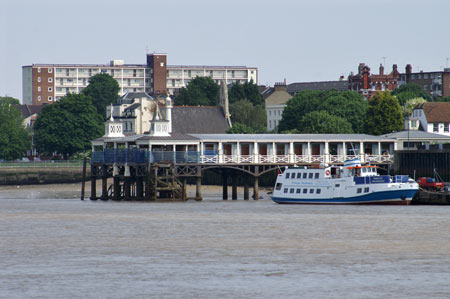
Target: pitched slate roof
point(293, 88)
point(289, 137)
point(28, 110)
point(129, 97)
point(436, 112)
point(199, 120)
point(415, 134)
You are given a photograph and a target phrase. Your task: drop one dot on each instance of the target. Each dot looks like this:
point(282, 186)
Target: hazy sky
point(298, 40)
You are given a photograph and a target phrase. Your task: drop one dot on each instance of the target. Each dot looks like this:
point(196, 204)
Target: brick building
point(436, 83)
point(368, 84)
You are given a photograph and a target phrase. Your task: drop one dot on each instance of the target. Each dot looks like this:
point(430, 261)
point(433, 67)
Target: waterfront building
point(368, 84)
point(432, 117)
point(436, 83)
point(414, 139)
point(275, 102)
point(46, 83)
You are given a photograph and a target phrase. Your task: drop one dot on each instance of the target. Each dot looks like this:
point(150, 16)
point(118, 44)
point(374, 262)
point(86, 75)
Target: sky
point(296, 40)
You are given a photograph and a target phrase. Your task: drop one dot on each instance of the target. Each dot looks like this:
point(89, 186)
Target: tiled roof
point(436, 112)
point(129, 97)
point(322, 85)
point(289, 137)
point(198, 120)
point(173, 136)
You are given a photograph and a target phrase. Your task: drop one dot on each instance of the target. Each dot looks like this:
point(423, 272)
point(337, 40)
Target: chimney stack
point(381, 69)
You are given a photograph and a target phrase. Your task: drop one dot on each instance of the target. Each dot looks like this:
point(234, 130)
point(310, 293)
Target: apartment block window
point(39, 88)
point(50, 98)
point(435, 127)
point(39, 98)
point(50, 80)
point(50, 70)
point(50, 89)
point(39, 79)
point(39, 69)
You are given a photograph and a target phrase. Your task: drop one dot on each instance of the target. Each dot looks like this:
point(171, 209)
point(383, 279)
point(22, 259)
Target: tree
point(201, 91)
point(252, 116)
point(248, 91)
point(239, 128)
point(14, 138)
point(9, 100)
point(67, 126)
point(103, 90)
point(347, 105)
point(384, 114)
point(320, 122)
point(443, 99)
point(410, 104)
point(410, 91)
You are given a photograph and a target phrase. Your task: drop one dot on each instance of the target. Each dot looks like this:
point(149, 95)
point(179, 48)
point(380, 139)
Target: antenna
point(384, 60)
point(446, 62)
point(146, 49)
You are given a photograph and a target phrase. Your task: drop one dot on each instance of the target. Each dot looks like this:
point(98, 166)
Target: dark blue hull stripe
point(367, 198)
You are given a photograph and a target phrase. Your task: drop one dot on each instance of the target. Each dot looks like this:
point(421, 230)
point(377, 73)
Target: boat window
point(305, 190)
point(304, 175)
point(337, 185)
point(316, 175)
point(292, 190)
point(311, 190)
point(364, 170)
point(285, 190)
point(310, 176)
point(359, 190)
point(278, 186)
point(299, 190)
point(287, 175)
point(299, 175)
point(318, 191)
point(366, 189)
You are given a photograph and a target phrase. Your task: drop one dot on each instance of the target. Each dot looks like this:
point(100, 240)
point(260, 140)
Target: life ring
point(327, 172)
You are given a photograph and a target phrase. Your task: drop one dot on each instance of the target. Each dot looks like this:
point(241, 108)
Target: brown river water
point(53, 245)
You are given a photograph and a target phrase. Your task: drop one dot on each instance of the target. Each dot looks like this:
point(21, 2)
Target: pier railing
point(140, 156)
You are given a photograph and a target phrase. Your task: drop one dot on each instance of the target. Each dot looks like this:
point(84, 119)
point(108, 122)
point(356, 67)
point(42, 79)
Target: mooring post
point(198, 189)
point(256, 188)
point(224, 184)
point(246, 193)
point(234, 187)
point(84, 179)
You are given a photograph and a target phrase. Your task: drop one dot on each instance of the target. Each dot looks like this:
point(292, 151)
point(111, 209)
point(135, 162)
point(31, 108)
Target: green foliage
point(239, 128)
point(245, 113)
point(14, 138)
point(321, 122)
point(384, 114)
point(68, 126)
point(9, 100)
point(347, 105)
point(410, 104)
point(103, 90)
point(201, 91)
point(410, 91)
point(248, 91)
point(443, 99)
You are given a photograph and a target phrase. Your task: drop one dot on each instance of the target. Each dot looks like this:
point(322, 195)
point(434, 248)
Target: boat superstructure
point(348, 184)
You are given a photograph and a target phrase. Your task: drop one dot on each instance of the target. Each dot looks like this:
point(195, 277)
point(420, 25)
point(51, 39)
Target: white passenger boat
point(350, 184)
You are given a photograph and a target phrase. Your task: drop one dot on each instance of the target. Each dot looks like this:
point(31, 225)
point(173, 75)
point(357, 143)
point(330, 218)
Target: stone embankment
point(23, 175)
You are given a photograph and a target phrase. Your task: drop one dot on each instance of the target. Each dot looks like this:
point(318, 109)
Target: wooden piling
point(198, 191)
point(84, 179)
point(116, 188)
point(234, 187)
point(256, 188)
point(224, 185)
point(246, 193)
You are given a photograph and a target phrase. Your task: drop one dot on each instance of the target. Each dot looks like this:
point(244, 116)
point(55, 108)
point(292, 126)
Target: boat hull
point(397, 197)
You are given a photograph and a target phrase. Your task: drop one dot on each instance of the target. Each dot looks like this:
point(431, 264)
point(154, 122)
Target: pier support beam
point(256, 188)
point(104, 188)
point(127, 188)
point(93, 188)
point(225, 185)
point(198, 189)
point(139, 188)
point(246, 193)
point(116, 188)
point(234, 187)
point(184, 193)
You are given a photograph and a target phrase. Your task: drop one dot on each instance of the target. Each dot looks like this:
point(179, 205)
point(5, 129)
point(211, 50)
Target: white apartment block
point(179, 76)
point(46, 83)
